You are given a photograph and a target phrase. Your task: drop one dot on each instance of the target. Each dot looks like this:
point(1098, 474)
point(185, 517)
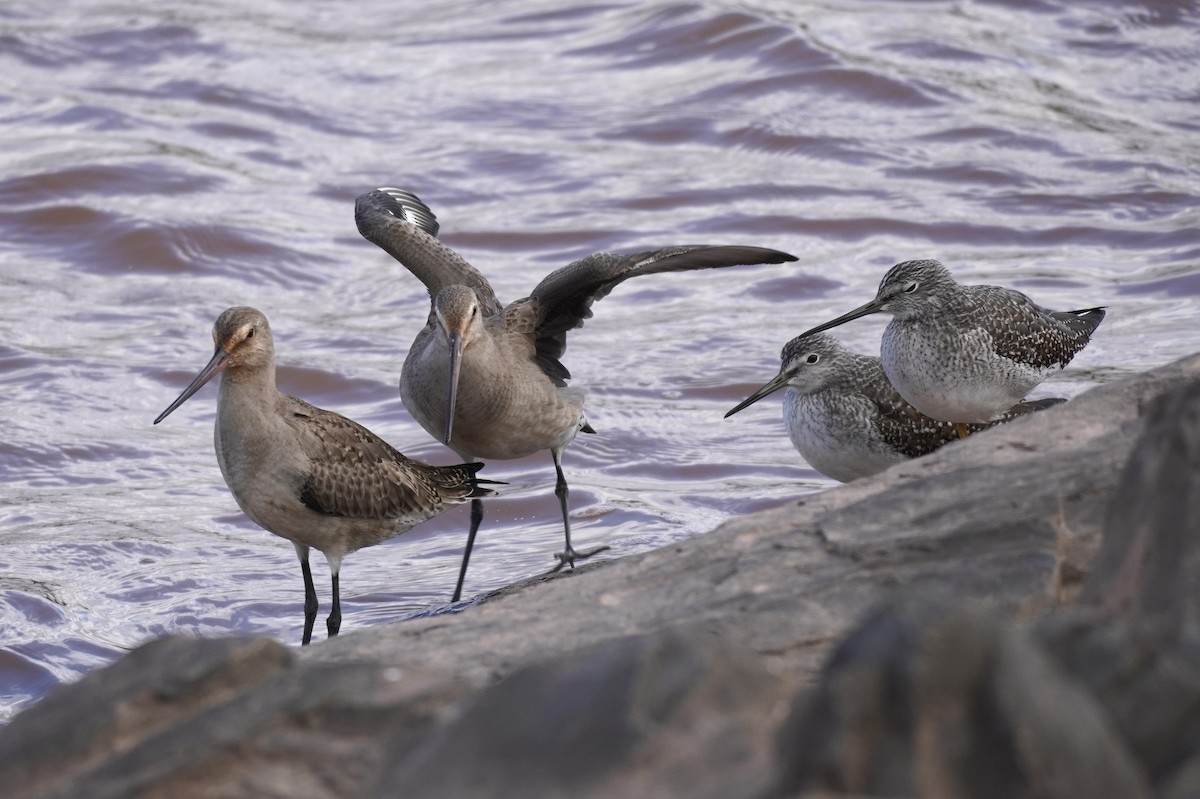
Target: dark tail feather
point(1030, 406)
point(467, 472)
point(1087, 320)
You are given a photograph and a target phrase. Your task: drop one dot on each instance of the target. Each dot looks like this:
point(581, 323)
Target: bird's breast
point(953, 374)
point(836, 435)
point(505, 406)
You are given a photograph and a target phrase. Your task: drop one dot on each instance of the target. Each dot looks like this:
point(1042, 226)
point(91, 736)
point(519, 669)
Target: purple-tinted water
point(164, 161)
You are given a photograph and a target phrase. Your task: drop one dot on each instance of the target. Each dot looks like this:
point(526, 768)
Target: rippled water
point(160, 165)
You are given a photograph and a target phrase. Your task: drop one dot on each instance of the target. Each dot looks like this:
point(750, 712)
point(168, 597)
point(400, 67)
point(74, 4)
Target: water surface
point(162, 162)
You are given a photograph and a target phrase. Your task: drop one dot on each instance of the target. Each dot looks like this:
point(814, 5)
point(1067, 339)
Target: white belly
point(960, 380)
point(838, 442)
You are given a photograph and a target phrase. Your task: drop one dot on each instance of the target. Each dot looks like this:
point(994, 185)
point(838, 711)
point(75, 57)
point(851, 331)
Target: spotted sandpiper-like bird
point(844, 416)
point(967, 353)
point(309, 475)
point(486, 378)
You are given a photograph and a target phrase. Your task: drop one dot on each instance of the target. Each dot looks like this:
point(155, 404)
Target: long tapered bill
point(220, 360)
point(779, 381)
point(456, 349)
point(874, 306)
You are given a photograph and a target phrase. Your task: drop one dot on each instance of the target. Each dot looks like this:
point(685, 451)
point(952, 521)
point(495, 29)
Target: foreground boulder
point(1098, 699)
point(1134, 637)
point(672, 713)
point(932, 699)
point(704, 668)
point(229, 717)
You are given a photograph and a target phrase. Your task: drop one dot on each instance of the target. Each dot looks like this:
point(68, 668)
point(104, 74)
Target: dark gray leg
point(310, 595)
point(476, 520)
point(334, 622)
point(568, 556)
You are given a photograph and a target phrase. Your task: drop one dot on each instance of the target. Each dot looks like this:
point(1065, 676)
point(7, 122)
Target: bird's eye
point(250, 334)
point(911, 287)
point(812, 358)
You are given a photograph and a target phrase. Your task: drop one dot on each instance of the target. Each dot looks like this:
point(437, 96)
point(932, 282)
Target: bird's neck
point(247, 391)
point(247, 417)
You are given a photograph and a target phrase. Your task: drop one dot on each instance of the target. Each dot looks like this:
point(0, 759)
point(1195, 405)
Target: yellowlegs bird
point(967, 353)
point(309, 475)
point(846, 419)
point(486, 379)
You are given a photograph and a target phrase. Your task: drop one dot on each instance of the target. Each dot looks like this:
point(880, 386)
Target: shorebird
point(967, 353)
point(309, 475)
point(486, 379)
point(844, 416)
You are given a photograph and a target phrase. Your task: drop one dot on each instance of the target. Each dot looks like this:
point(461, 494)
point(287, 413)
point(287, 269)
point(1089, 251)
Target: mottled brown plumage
point(487, 379)
point(310, 475)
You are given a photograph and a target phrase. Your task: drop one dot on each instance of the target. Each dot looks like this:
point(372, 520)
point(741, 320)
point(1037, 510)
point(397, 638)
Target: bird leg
point(961, 429)
point(310, 594)
point(569, 555)
point(334, 622)
point(476, 520)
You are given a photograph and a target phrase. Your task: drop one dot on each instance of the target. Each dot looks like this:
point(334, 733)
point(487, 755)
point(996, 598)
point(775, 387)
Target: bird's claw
point(569, 557)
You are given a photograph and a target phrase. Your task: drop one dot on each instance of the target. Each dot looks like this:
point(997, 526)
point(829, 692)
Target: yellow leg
point(961, 428)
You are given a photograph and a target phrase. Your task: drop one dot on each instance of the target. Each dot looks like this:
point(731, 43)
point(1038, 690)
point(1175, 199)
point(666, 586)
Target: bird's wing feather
point(1027, 407)
point(1084, 322)
point(354, 473)
point(563, 300)
point(405, 228)
point(906, 429)
point(1025, 332)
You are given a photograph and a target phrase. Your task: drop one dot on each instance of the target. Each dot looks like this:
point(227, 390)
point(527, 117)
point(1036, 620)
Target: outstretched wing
point(564, 297)
point(405, 228)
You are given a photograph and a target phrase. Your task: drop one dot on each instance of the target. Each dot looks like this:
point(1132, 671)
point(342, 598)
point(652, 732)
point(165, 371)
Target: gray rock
point(992, 518)
point(668, 714)
point(230, 717)
point(678, 665)
point(1134, 640)
point(931, 698)
point(1149, 566)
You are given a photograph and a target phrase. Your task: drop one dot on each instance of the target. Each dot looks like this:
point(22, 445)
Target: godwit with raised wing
point(486, 378)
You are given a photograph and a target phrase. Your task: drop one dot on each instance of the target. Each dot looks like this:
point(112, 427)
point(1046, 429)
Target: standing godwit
point(309, 475)
point(967, 353)
point(486, 379)
point(844, 416)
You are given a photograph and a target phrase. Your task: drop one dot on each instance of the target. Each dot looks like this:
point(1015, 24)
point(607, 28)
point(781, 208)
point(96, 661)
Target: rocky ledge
point(1015, 615)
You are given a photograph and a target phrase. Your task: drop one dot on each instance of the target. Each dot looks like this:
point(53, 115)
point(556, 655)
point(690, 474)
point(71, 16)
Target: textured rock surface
point(934, 699)
point(1134, 640)
point(698, 669)
point(679, 714)
point(220, 718)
